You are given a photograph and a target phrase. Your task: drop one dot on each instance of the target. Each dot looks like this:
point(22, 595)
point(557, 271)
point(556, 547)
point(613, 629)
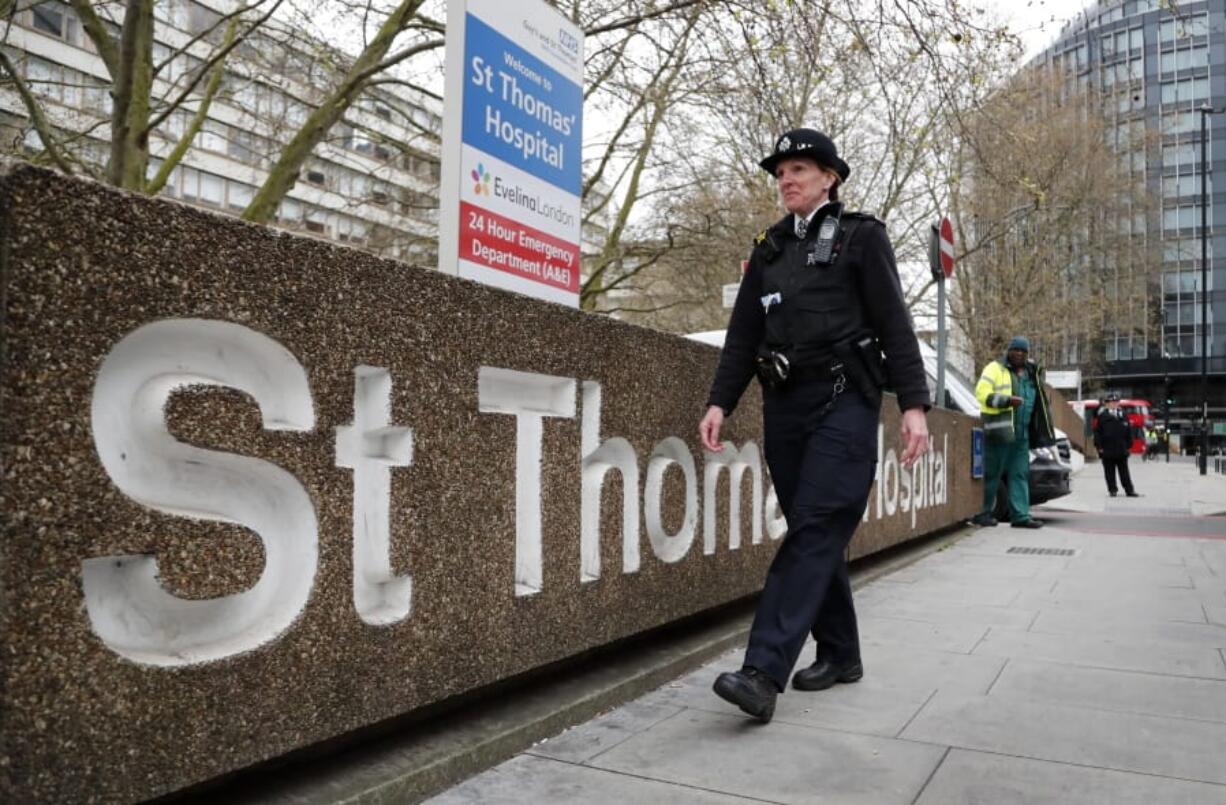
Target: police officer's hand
point(914, 435)
point(1016, 402)
point(708, 428)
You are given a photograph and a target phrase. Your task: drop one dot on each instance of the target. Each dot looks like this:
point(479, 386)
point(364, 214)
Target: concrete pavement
point(1084, 662)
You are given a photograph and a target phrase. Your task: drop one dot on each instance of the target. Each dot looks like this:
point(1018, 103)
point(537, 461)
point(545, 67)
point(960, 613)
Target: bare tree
point(1053, 219)
point(869, 76)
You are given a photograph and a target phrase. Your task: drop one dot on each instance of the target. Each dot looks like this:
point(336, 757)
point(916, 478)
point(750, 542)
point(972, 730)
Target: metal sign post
point(941, 262)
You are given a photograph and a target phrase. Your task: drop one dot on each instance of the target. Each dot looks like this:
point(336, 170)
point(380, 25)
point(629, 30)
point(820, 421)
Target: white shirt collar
point(808, 219)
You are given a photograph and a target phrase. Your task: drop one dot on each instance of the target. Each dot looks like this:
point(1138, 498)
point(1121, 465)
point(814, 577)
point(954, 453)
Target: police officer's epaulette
point(764, 244)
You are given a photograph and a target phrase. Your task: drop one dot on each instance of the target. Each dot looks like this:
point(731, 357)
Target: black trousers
point(1113, 465)
point(822, 470)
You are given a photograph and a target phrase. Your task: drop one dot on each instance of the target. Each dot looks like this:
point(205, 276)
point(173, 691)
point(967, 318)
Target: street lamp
point(1203, 459)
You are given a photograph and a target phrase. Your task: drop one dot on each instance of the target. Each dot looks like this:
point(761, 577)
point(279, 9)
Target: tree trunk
point(130, 114)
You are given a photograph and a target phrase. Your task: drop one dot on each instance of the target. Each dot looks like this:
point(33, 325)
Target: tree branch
point(635, 19)
point(206, 69)
point(175, 156)
point(45, 132)
point(96, 30)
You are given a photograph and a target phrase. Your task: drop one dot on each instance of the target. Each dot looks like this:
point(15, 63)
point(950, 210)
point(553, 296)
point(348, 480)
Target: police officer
point(819, 303)
point(1113, 440)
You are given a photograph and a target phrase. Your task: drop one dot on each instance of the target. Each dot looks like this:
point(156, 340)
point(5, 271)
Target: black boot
point(983, 519)
point(823, 674)
point(749, 689)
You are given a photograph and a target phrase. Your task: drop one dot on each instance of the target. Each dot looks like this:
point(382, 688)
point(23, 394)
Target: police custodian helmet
point(810, 144)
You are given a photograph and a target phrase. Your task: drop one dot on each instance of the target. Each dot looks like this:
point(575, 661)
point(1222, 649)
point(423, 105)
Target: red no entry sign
point(947, 247)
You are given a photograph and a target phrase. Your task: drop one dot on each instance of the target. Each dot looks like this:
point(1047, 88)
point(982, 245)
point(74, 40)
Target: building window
point(1185, 217)
point(212, 137)
point(1176, 250)
point(1184, 59)
point(1192, 25)
point(316, 221)
point(191, 184)
point(1186, 90)
point(50, 18)
point(239, 195)
point(1174, 187)
point(316, 178)
point(212, 189)
point(290, 212)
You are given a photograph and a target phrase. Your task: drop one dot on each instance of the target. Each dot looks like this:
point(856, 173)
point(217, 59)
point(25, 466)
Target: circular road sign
point(947, 247)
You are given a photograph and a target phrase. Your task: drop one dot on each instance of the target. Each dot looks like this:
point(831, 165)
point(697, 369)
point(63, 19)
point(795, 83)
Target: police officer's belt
point(817, 364)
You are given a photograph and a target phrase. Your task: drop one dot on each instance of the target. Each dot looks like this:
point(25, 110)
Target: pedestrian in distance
point(1016, 416)
point(1113, 440)
point(1151, 445)
point(819, 303)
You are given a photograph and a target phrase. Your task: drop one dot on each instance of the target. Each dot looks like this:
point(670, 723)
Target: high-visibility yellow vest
point(993, 391)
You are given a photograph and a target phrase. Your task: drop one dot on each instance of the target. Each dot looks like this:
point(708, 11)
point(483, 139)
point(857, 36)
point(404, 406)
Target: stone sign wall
point(261, 491)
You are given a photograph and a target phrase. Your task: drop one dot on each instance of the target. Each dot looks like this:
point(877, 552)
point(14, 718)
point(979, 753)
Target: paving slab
point(1153, 607)
point(952, 592)
point(1170, 747)
point(978, 568)
point(532, 779)
point(905, 608)
point(585, 741)
point(1145, 635)
point(959, 637)
point(778, 762)
point(1114, 574)
point(1077, 649)
point(1120, 691)
point(978, 778)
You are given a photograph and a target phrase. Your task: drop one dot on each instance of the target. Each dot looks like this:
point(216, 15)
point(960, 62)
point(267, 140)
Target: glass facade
point(1155, 67)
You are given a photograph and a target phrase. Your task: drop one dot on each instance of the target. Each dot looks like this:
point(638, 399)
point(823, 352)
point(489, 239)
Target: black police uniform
point(821, 453)
point(1113, 440)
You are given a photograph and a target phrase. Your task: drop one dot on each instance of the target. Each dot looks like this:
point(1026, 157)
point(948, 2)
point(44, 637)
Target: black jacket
point(1112, 435)
point(858, 294)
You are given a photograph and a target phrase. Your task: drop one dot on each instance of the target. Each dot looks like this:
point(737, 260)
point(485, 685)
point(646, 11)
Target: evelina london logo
point(482, 178)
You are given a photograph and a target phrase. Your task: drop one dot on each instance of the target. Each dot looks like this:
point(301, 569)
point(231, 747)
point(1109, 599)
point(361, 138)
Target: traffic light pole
point(1203, 453)
point(1166, 430)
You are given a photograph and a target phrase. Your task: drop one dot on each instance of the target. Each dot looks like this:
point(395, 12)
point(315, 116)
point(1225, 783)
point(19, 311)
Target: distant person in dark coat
point(1113, 440)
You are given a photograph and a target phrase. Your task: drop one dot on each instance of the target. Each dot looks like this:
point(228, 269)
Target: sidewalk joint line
point(1034, 620)
point(935, 769)
point(660, 780)
point(914, 715)
point(979, 642)
point(1003, 665)
point(1083, 765)
point(680, 709)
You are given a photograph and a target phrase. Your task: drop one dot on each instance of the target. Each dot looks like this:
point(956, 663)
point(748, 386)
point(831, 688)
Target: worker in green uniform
point(1016, 416)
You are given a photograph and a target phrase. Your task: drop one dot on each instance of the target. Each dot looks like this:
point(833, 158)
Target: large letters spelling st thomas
point(138, 619)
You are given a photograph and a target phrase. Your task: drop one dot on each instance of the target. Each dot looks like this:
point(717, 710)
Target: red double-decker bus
point(1138, 414)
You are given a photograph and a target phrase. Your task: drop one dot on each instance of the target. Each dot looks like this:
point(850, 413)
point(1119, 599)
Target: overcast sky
point(1037, 22)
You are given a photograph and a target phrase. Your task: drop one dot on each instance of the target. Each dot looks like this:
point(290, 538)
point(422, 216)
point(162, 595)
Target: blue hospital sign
point(512, 162)
point(976, 452)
